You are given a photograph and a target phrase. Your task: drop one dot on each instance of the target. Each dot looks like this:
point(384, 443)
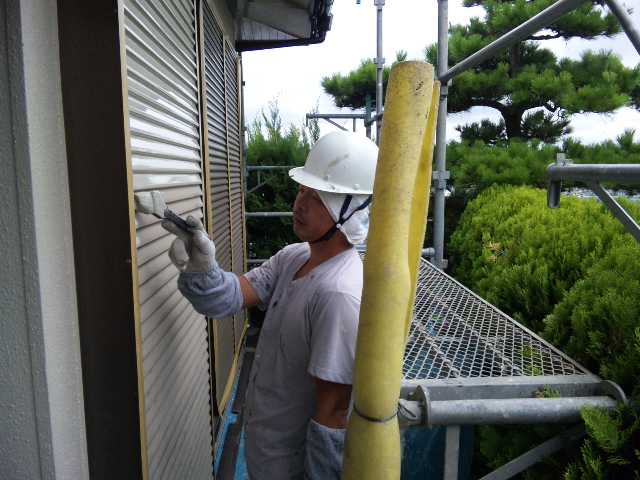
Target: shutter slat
point(166, 155)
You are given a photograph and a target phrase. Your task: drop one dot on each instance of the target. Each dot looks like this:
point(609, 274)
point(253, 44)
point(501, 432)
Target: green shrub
point(522, 256)
point(611, 449)
point(595, 322)
point(578, 267)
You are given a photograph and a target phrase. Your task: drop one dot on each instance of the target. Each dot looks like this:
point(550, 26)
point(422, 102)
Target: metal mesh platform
point(456, 334)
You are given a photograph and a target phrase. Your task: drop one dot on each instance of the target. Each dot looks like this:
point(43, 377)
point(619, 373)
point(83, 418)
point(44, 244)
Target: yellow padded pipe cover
point(398, 220)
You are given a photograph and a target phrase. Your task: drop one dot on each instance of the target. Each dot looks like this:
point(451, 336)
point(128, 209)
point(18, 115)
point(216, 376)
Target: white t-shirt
point(309, 330)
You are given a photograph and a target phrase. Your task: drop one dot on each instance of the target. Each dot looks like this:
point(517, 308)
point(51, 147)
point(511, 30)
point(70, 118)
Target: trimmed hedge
point(572, 274)
point(522, 256)
point(596, 321)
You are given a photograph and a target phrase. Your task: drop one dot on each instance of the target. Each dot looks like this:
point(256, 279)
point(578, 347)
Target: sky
point(291, 76)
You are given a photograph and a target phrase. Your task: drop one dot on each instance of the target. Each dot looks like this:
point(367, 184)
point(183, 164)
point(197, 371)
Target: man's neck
point(323, 251)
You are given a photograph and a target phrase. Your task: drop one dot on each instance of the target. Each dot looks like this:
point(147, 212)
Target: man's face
point(311, 219)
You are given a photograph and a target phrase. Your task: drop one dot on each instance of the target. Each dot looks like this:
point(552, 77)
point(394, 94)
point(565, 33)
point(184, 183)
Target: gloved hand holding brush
point(194, 251)
point(211, 290)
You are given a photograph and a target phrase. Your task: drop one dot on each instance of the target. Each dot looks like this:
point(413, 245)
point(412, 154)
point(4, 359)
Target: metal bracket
point(437, 175)
point(440, 179)
point(414, 411)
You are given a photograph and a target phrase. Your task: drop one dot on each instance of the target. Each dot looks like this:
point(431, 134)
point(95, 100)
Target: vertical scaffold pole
point(367, 120)
point(440, 174)
point(451, 452)
point(379, 67)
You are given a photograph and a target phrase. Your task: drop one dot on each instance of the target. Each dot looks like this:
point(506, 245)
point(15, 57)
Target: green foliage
point(476, 166)
point(545, 126)
point(524, 257)
point(528, 76)
point(534, 91)
point(485, 131)
point(351, 90)
point(611, 451)
point(594, 322)
point(501, 444)
point(624, 150)
point(271, 144)
point(577, 265)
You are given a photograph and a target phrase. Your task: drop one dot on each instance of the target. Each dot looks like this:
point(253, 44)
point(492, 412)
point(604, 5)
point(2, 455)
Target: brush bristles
point(151, 203)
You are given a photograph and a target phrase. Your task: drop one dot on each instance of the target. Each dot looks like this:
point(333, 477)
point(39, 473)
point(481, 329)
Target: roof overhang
point(263, 24)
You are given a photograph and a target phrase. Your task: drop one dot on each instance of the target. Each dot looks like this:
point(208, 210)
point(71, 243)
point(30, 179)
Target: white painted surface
point(52, 220)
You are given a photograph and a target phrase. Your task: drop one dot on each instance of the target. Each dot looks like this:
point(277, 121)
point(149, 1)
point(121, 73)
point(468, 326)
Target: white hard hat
point(339, 162)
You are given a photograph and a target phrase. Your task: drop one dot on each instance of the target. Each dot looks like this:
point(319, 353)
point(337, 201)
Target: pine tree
point(534, 91)
point(358, 86)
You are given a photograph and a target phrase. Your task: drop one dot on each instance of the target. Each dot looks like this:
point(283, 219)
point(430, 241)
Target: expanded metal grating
point(456, 334)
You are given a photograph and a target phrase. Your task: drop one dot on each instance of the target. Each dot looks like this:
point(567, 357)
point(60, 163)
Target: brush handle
point(177, 220)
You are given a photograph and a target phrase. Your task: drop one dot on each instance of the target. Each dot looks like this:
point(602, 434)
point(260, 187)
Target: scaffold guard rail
point(466, 362)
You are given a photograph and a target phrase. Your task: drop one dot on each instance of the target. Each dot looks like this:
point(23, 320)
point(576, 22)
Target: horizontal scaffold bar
point(504, 411)
point(476, 388)
point(337, 115)
point(594, 172)
point(251, 168)
point(268, 214)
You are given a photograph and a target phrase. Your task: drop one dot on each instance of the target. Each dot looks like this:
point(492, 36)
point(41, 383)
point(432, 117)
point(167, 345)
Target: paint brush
point(153, 203)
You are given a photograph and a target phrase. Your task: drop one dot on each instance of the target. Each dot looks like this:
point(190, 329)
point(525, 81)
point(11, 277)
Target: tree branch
point(489, 103)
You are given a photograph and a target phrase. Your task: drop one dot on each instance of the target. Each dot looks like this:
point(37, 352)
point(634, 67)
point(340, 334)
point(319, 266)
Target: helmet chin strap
point(341, 218)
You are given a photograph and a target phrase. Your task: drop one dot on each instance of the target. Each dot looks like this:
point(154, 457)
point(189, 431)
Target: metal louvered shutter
point(164, 122)
point(235, 174)
point(219, 185)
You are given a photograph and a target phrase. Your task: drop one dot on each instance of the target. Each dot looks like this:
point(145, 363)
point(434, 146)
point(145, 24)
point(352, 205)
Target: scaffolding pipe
point(367, 119)
point(509, 411)
point(258, 168)
point(595, 172)
point(440, 174)
point(630, 225)
point(336, 124)
point(379, 67)
point(534, 24)
point(519, 464)
point(268, 214)
point(324, 116)
point(625, 21)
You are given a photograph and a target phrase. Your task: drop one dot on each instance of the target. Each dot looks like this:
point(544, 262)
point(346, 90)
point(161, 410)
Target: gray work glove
point(191, 252)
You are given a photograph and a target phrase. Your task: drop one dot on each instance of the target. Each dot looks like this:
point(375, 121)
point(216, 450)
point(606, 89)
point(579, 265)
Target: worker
point(299, 389)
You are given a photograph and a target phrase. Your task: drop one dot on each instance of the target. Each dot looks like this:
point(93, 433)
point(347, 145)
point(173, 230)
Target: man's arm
point(334, 330)
point(326, 431)
point(249, 295)
point(332, 403)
